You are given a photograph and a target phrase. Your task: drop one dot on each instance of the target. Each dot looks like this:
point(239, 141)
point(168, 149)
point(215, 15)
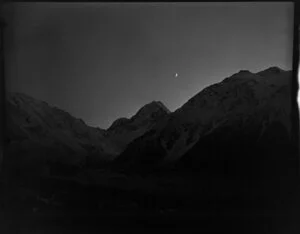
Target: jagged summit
point(150, 108)
point(239, 75)
point(17, 94)
point(244, 72)
point(238, 100)
point(124, 130)
point(156, 105)
point(270, 71)
point(16, 97)
point(162, 106)
point(146, 111)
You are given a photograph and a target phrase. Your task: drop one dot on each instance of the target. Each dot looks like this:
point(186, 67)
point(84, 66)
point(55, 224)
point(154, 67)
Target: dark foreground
point(60, 205)
point(147, 223)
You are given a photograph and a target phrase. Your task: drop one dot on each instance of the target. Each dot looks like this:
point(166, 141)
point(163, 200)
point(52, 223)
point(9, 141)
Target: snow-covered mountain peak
point(125, 130)
point(150, 109)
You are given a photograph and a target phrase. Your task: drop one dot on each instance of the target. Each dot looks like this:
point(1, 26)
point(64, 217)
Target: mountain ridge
point(154, 134)
point(125, 130)
point(238, 94)
point(36, 128)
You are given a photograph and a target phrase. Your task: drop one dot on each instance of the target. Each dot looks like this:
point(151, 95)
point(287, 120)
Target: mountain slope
point(124, 130)
point(245, 99)
point(45, 134)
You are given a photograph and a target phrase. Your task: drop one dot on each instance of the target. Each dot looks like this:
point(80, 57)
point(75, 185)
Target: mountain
point(227, 151)
point(125, 130)
point(246, 113)
point(242, 108)
point(40, 135)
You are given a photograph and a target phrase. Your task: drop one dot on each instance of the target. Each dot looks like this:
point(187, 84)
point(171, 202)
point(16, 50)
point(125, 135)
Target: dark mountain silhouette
point(39, 135)
point(232, 140)
point(244, 102)
point(239, 112)
point(124, 130)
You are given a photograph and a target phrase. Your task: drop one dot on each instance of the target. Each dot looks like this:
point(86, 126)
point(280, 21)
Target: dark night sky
point(100, 62)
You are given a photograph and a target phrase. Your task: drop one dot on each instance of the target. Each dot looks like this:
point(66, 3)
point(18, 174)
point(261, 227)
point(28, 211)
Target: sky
point(103, 61)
